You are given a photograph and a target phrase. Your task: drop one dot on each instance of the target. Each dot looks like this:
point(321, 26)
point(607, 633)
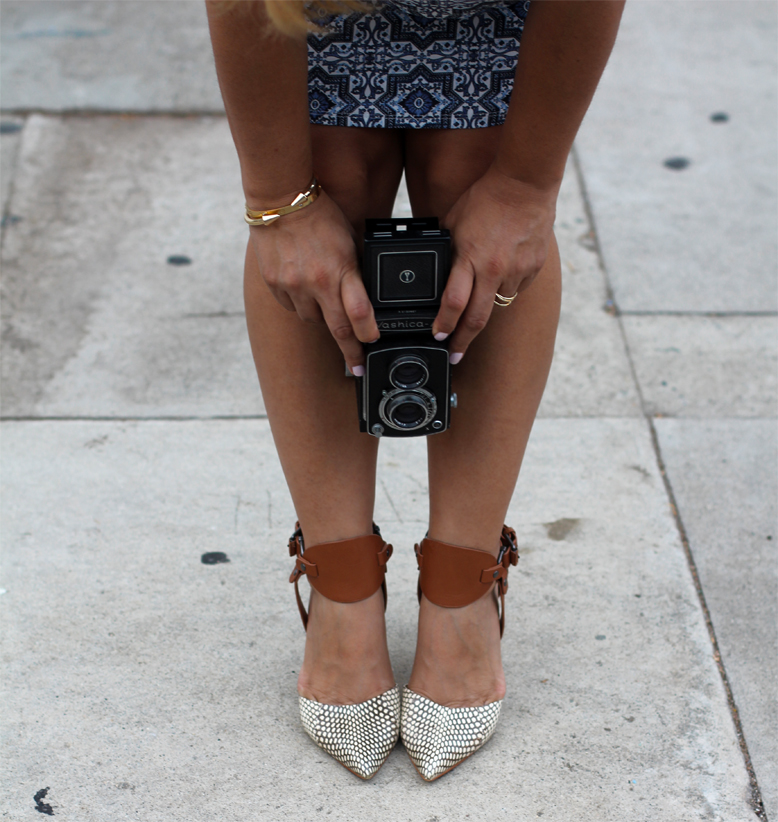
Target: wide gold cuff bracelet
point(303, 199)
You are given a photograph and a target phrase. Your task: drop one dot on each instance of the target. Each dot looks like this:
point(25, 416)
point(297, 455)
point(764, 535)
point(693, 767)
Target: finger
point(358, 308)
point(283, 298)
point(308, 309)
point(472, 322)
point(455, 299)
point(343, 333)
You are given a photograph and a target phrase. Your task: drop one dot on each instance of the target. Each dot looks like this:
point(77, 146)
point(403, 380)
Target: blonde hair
point(296, 18)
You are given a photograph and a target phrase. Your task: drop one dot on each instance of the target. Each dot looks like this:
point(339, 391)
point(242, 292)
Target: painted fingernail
point(358, 370)
point(455, 358)
point(440, 336)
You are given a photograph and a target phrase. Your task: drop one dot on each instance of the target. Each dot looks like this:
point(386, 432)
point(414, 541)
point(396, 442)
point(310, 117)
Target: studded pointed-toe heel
point(436, 737)
point(361, 736)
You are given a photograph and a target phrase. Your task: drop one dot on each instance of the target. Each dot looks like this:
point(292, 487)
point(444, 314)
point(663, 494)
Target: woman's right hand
point(309, 261)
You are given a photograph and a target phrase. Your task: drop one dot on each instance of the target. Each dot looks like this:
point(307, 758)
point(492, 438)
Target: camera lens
point(407, 410)
point(408, 372)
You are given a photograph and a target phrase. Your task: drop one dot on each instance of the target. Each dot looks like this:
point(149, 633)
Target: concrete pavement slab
point(99, 324)
point(98, 321)
point(699, 237)
point(141, 683)
point(723, 475)
point(706, 366)
point(127, 56)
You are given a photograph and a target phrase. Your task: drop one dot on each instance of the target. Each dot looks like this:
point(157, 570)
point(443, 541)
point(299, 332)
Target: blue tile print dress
point(425, 64)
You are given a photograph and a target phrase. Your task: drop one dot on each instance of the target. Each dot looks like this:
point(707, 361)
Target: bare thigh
point(329, 465)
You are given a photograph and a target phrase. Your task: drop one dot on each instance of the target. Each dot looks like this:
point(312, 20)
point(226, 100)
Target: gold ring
point(504, 302)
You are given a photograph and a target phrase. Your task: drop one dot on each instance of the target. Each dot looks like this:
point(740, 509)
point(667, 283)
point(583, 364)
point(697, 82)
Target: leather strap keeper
point(452, 576)
point(348, 570)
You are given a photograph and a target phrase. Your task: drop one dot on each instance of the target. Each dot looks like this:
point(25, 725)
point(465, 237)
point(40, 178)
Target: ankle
point(346, 655)
point(458, 661)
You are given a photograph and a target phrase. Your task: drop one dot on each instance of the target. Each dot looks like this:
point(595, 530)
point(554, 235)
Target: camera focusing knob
point(437, 425)
point(377, 430)
point(454, 401)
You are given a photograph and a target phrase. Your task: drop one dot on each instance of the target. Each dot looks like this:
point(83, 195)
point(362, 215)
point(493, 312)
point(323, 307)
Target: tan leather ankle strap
point(453, 576)
point(348, 570)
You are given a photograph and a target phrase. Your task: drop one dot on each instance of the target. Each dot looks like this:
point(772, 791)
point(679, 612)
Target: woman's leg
point(311, 405)
point(473, 467)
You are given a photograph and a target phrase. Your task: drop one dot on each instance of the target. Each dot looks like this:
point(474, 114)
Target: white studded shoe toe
point(361, 736)
point(438, 738)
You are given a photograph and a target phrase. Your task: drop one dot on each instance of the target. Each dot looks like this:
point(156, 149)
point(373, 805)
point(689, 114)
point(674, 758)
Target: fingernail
point(370, 342)
point(358, 370)
point(440, 336)
point(455, 358)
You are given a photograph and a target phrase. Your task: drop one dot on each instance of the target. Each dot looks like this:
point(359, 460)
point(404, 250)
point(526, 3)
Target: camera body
point(406, 390)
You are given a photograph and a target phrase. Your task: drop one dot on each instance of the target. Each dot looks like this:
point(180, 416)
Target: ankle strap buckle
point(508, 555)
point(303, 567)
point(509, 548)
point(296, 544)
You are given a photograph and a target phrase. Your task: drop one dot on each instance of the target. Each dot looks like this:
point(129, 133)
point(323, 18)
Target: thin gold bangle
point(303, 199)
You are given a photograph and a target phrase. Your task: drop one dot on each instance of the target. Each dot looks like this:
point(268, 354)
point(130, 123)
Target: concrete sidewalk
point(143, 684)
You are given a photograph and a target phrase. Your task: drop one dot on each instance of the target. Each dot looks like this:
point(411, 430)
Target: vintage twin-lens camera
point(406, 390)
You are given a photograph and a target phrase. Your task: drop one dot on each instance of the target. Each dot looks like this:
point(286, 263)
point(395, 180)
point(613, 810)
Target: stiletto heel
point(436, 737)
point(360, 736)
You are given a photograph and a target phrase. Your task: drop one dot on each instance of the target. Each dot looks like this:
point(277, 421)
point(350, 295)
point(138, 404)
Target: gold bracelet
point(303, 199)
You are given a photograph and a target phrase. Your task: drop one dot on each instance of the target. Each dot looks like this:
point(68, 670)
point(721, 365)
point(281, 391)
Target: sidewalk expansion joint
point(755, 799)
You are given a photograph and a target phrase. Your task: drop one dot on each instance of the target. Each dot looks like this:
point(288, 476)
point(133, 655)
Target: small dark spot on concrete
point(677, 163)
point(10, 219)
point(769, 536)
point(214, 558)
point(40, 805)
point(96, 442)
point(606, 729)
point(638, 595)
point(125, 786)
point(179, 259)
point(719, 117)
point(600, 636)
point(609, 307)
point(7, 127)
point(559, 529)
point(641, 470)
point(630, 718)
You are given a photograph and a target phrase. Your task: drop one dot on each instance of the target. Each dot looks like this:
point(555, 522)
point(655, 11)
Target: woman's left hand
point(501, 229)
